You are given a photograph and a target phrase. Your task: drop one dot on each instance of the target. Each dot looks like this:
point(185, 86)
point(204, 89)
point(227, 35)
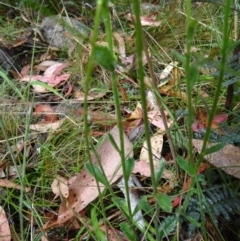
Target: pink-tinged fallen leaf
point(45, 127)
point(51, 76)
point(47, 112)
point(56, 69)
point(227, 159)
point(84, 189)
point(25, 70)
point(45, 64)
point(197, 126)
point(10, 184)
point(220, 118)
point(5, 233)
point(149, 20)
point(60, 187)
point(176, 201)
point(129, 60)
point(144, 169)
point(72, 180)
point(50, 80)
point(69, 90)
point(155, 118)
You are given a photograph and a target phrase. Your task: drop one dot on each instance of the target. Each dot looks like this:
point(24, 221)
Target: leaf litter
point(84, 189)
point(79, 191)
point(5, 233)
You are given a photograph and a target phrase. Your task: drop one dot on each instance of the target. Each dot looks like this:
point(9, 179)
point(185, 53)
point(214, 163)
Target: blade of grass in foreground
point(190, 82)
point(139, 44)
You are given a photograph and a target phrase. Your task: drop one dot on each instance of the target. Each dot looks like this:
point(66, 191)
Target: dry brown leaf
point(84, 189)
point(121, 45)
point(45, 127)
point(92, 95)
point(12, 170)
point(137, 113)
point(60, 187)
point(11, 184)
point(149, 20)
point(25, 70)
point(5, 234)
point(156, 144)
point(226, 159)
point(167, 71)
point(44, 237)
point(151, 101)
point(155, 118)
point(2, 174)
point(47, 112)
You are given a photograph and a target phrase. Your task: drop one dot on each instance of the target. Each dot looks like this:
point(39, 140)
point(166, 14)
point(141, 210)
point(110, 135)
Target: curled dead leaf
point(60, 187)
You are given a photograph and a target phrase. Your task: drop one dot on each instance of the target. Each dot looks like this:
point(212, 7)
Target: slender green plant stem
point(86, 90)
point(216, 98)
point(220, 80)
point(118, 108)
point(140, 47)
point(158, 100)
point(188, 78)
point(189, 36)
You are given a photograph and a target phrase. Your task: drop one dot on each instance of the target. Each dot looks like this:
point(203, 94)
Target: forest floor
point(93, 104)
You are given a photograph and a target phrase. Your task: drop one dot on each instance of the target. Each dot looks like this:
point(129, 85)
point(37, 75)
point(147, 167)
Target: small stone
point(59, 31)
